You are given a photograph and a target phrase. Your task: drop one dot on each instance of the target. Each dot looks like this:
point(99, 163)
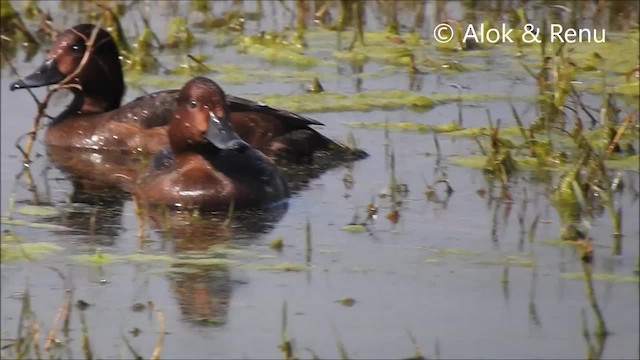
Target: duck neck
point(85, 103)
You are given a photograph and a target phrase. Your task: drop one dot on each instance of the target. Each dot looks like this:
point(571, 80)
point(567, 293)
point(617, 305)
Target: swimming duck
point(95, 118)
point(210, 166)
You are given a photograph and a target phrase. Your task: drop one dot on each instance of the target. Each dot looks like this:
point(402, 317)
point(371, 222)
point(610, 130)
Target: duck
point(210, 167)
point(96, 119)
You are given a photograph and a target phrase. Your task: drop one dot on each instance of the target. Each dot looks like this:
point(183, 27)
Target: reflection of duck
point(95, 179)
point(204, 291)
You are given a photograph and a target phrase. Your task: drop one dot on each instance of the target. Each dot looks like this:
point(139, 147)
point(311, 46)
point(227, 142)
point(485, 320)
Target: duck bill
point(46, 74)
point(221, 134)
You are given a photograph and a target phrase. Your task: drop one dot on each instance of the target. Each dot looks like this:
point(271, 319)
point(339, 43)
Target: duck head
point(100, 79)
point(201, 120)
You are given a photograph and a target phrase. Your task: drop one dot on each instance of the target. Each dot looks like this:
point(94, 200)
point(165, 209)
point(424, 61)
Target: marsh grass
point(31, 342)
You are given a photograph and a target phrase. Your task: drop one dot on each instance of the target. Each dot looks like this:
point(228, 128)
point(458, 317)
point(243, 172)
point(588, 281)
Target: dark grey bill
point(221, 134)
point(46, 74)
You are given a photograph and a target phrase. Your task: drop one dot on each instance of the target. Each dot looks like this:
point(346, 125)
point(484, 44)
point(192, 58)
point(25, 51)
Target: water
point(400, 282)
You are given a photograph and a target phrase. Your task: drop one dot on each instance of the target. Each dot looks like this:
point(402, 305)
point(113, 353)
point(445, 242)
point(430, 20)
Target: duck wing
point(150, 110)
point(156, 109)
point(291, 120)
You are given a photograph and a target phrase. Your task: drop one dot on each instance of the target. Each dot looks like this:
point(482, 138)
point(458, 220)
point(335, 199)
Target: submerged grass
point(511, 260)
point(480, 161)
point(532, 163)
point(27, 251)
point(605, 277)
point(406, 126)
point(282, 267)
point(380, 99)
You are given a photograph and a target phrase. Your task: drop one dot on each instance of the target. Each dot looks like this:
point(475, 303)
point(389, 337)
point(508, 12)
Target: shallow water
point(406, 278)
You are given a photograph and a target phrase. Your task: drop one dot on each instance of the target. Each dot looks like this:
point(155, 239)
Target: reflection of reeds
point(594, 350)
point(27, 344)
point(308, 247)
point(601, 328)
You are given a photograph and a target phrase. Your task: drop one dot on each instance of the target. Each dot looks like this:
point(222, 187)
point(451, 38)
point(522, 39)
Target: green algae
point(456, 251)
point(27, 251)
point(354, 228)
point(631, 89)
point(280, 55)
point(178, 34)
point(10, 237)
point(616, 57)
point(508, 132)
point(21, 222)
point(531, 163)
point(276, 244)
point(347, 301)
point(97, 259)
point(511, 260)
point(211, 261)
point(626, 163)
point(480, 161)
point(224, 74)
point(394, 55)
point(389, 99)
point(283, 267)
point(101, 258)
point(559, 243)
point(406, 126)
point(433, 261)
point(276, 48)
point(141, 58)
point(148, 258)
point(37, 210)
point(473, 257)
point(606, 277)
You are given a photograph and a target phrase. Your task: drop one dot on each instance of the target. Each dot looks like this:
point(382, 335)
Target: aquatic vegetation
point(33, 210)
point(202, 261)
point(8, 236)
point(277, 48)
point(349, 102)
point(22, 222)
point(13, 26)
point(141, 59)
point(284, 267)
point(347, 301)
point(354, 228)
point(559, 243)
point(605, 277)
point(407, 126)
point(512, 260)
point(480, 161)
point(98, 258)
point(27, 251)
point(178, 34)
point(148, 258)
point(456, 251)
point(276, 244)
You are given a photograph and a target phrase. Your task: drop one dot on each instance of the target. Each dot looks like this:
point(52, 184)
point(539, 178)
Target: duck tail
point(306, 142)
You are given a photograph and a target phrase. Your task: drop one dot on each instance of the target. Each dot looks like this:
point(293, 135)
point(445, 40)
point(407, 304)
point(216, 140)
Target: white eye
point(193, 104)
point(78, 48)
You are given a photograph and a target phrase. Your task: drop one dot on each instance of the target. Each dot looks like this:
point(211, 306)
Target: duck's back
point(148, 111)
